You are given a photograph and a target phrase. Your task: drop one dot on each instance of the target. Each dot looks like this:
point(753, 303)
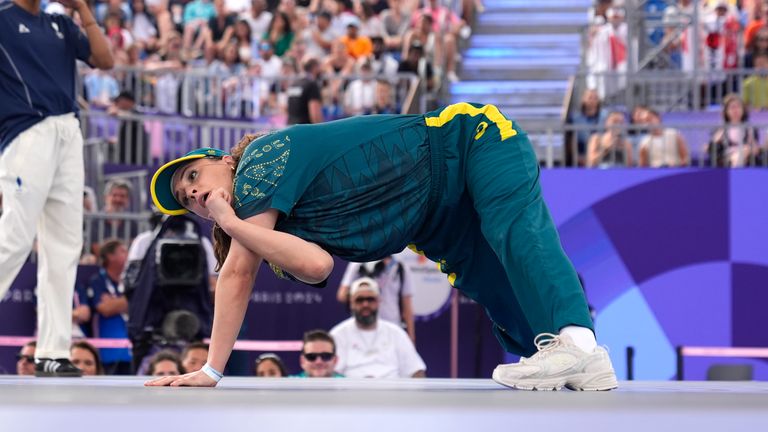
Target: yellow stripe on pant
point(490, 111)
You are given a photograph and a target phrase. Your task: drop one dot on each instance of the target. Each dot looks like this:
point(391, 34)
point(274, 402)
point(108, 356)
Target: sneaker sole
point(58, 375)
point(581, 382)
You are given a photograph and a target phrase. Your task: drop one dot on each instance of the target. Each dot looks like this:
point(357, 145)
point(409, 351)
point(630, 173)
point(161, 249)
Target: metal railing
point(558, 146)
point(670, 90)
point(100, 226)
point(201, 93)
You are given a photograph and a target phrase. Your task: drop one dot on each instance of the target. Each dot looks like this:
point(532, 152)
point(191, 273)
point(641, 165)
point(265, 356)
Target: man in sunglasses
point(318, 356)
point(372, 348)
point(25, 359)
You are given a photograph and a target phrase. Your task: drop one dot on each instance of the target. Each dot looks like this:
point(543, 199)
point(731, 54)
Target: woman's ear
point(229, 160)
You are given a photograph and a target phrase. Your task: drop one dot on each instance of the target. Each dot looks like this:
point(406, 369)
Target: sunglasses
point(324, 356)
point(26, 358)
point(361, 300)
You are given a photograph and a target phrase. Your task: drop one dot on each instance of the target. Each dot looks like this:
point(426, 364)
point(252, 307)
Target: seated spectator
point(662, 147)
point(590, 113)
point(372, 348)
point(119, 36)
point(81, 313)
point(396, 21)
point(165, 363)
point(360, 96)
point(246, 49)
point(755, 89)
point(194, 356)
point(107, 298)
point(100, 88)
point(734, 144)
point(279, 34)
point(357, 45)
point(638, 119)
point(382, 62)
point(415, 62)
point(370, 23)
point(269, 66)
point(321, 35)
point(118, 7)
point(336, 68)
point(25, 359)
point(86, 358)
point(269, 365)
point(395, 282)
point(258, 17)
point(440, 49)
point(143, 27)
point(610, 148)
point(444, 20)
point(117, 201)
point(196, 16)
point(758, 46)
point(318, 356)
point(219, 28)
point(385, 103)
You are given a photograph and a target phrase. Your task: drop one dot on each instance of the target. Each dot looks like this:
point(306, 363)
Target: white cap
point(364, 284)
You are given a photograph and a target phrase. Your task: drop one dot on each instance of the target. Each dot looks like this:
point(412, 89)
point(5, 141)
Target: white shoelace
point(545, 344)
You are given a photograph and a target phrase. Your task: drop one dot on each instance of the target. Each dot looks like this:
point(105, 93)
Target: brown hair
point(318, 336)
point(221, 240)
point(108, 248)
point(85, 345)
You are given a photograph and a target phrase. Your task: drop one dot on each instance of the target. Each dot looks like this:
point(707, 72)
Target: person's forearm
point(101, 55)
point(407, 312)
point(304, 260)
point(231, 302)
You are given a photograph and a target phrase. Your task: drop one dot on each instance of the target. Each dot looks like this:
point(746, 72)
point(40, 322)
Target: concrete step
point(530, 23)
point(518, 86)
point(521, 54)
point(526, 41)
point(481, 72)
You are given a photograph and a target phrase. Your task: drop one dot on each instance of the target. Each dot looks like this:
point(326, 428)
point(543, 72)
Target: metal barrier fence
point(708, 141)
point(100, 226)
point(671, 90)
point(245, 96)
point(161, 138)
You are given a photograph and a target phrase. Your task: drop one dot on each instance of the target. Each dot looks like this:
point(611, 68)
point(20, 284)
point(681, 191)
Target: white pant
point(41, 178)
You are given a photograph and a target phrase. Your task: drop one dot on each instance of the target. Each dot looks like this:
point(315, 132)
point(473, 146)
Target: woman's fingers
point(162, 381)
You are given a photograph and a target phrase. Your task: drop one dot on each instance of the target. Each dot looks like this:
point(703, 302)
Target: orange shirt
point(751, 30)
point(358, 47)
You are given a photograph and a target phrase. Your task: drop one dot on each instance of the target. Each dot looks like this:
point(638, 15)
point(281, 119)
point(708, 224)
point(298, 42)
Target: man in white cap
point(373, 348)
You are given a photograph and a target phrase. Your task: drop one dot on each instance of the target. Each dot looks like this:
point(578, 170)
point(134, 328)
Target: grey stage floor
point(109, 404)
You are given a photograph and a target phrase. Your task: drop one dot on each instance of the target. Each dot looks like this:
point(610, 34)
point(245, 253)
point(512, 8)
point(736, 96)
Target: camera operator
point(169, 279)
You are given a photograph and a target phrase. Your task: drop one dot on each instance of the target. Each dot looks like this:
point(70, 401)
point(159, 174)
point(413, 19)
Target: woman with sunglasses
point(459, 185)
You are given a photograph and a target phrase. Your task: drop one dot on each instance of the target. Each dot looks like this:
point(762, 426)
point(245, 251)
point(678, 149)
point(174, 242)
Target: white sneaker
point(559, 363)
point(452, 77)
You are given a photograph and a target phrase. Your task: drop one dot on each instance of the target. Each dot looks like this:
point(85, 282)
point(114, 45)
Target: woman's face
point(268, 369)
point(193, 182)
point(83, 360)
point(614, 119)
point(165, 368)
point(735, 111)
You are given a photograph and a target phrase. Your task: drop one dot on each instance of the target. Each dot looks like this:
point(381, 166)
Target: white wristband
point(211, 372)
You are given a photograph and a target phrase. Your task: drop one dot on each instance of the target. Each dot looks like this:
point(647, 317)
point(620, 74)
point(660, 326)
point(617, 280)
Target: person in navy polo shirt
point(41, 160)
